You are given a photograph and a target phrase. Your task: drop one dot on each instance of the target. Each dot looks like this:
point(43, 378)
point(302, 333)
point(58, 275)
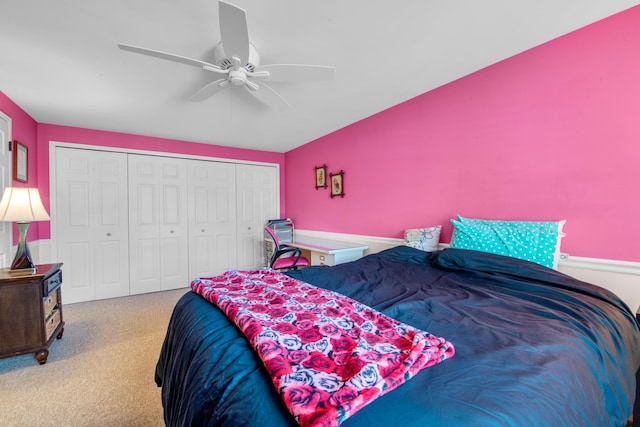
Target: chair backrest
point(279, 260)
point(276, 242)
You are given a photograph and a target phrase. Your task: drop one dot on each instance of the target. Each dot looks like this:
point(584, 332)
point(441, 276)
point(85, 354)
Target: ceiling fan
point(238, 63)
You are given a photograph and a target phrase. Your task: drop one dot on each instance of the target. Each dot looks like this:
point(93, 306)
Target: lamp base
point(22, 272)
point(22, 260)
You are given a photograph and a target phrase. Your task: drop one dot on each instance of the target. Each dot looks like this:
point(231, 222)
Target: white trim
point(54, 144)
point(9, 121)
point(619, 277)
point(608, 265)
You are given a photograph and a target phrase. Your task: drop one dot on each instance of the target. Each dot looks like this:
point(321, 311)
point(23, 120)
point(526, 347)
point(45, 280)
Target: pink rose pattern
point(327, 354)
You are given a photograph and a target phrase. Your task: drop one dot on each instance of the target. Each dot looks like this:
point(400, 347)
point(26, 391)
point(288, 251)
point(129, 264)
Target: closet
point(129, 223)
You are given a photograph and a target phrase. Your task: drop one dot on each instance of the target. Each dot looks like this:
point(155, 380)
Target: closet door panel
point(75, 245)
point(79, 283)
point(149, 262)
point(174, 252)
point(110, 226)
point(258, 202)
point(91, 223)
point(212, 218)
point(158, 223)
point(144, 225)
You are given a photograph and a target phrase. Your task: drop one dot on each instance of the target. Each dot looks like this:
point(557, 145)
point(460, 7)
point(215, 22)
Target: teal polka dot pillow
point(535, 241)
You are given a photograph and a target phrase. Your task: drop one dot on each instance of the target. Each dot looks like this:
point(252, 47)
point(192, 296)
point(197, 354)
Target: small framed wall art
point(321, 176)
point(20, 162)
point(337, 184)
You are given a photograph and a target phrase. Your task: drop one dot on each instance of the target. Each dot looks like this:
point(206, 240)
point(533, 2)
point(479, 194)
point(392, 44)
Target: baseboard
point(620, 277)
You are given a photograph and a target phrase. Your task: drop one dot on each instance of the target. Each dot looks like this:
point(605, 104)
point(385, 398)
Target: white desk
point(328, 252)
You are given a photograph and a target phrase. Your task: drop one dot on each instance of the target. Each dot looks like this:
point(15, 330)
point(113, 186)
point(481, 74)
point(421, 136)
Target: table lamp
point(22, 205)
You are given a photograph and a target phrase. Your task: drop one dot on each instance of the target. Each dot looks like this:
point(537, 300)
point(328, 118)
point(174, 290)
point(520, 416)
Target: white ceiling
point(60, 63)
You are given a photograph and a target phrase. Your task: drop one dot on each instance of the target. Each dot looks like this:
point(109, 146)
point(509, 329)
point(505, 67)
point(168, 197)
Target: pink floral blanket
point(327, 354)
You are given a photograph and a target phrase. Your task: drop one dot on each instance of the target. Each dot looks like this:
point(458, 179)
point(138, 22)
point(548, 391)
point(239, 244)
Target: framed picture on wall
point(20, 162)
point(321, 176)
point(337, 184)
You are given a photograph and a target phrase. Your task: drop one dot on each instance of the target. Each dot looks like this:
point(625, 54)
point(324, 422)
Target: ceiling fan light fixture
point(238, 77)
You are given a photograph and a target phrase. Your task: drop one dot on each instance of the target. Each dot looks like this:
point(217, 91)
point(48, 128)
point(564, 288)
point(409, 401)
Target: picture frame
point(337, 184)
point(20, 162)
point(321, 176)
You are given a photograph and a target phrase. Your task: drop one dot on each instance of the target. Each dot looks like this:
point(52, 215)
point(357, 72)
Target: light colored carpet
point(101, 373)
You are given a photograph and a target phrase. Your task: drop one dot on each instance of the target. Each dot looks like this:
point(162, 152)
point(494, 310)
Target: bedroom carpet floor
point(101, 373)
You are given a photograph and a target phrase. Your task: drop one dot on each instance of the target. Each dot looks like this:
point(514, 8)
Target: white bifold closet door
point(257, 203)
point(158, 225)
point(91, 223)
point(129, 223)
point(212, 218)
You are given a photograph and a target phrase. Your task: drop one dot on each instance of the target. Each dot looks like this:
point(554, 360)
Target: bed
point(532, 347)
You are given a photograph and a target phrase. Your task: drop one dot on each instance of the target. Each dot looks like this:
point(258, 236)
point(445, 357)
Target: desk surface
point(324, 245)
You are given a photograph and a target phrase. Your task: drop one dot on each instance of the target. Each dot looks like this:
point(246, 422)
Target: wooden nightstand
point(30, 311)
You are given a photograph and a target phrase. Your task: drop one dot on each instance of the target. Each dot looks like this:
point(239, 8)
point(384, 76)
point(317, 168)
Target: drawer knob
point(108, 234)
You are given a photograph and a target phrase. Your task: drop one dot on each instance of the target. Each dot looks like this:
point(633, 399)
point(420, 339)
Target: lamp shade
point(22, 205)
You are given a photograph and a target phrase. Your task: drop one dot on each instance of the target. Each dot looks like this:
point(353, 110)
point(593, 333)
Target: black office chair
point(285, 257)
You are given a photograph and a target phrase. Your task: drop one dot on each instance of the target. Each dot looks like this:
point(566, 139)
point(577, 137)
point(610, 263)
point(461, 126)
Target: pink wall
point(552, 133)
point(24, 129)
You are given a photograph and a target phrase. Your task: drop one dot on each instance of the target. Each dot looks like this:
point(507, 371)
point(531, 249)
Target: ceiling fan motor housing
point(225, 62)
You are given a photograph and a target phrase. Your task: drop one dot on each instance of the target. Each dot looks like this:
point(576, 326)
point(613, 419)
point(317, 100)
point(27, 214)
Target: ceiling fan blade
point(298, 72)
point(233, 31)
point(172, 57)
point(269, 97)
point(209, 90)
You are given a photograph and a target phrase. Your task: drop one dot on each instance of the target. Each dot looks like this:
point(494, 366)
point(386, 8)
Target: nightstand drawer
point(50, 303)
point(52, 323)
point(51, 283)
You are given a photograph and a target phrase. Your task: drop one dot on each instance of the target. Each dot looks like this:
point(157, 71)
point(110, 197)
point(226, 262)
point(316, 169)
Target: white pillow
point(425, 239)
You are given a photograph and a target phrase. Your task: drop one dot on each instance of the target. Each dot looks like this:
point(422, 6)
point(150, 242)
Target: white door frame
point(8, 179)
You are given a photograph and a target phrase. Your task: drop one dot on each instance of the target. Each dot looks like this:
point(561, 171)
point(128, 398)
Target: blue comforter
point(533, 347)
